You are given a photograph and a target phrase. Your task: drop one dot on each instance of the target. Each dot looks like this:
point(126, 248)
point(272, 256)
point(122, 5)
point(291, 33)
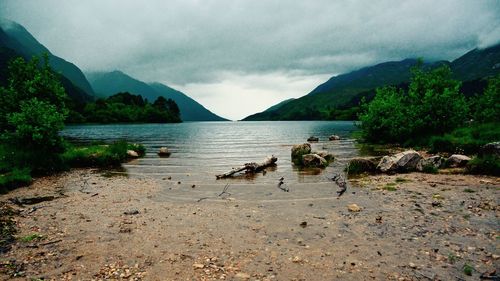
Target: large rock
point(334, 137)
point(132, 153)
point(164, 152)
point(358, 166)
point(298, 150)
point(492, 148)
point(328, 156)
point(433, 161)
point(314, 160)
point(401, 162)
point(313, 139)
point(457, 160)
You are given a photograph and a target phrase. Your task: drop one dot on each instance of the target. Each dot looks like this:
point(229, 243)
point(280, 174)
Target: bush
point(466, 140)
point(432, 106)
point(487, 106)
point(430, 169)
point(485, 165)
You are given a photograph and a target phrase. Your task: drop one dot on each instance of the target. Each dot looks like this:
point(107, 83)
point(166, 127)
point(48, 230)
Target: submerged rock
point(404, 161)
point(313, 160)
point(334, 137)
point(433, 161)
point(457, 160)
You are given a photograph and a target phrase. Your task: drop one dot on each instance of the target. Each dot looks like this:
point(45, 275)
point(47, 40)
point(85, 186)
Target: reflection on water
point(201, 150)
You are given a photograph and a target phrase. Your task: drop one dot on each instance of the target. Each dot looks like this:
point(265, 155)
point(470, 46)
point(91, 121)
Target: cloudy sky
point(238, 57)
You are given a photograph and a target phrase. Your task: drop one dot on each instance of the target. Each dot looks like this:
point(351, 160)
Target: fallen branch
point(224, 191)
point(340, 181)
point(250, 168)
point(31, 200)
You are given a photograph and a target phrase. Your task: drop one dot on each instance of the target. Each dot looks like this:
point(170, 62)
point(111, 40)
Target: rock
point(241, 275)
point(198, 266)
point(132, 153)
point(457, 160)
point(433, 161)
point(163, 152)
point(334, 137)
point(303, 224)
point(328, 156)
point(404, 161)
point(296, 259)
point(492, 148)
point(313, 139)
point(298, 150)
point(353, 208)
point(131, 212)
point(314, 160)
point(361, 165)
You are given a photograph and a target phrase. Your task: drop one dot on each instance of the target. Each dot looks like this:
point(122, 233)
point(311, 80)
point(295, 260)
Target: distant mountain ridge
point(106, 84)
point(342, 90)
point(15, 37)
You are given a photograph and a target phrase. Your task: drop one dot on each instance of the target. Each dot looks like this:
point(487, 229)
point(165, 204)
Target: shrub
point(485, 165)
point(430, 169)
point(466, 140)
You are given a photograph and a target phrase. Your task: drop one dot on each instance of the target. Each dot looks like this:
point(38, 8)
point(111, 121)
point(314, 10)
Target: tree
point(432, 105)
point(32, 114)
point(487, 107)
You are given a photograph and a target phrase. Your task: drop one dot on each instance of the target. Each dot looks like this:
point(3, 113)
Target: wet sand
point(121, 228)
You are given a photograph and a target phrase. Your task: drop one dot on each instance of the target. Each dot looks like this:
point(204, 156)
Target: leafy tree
point(487, 106)
point(432, 105)
point(32, 114)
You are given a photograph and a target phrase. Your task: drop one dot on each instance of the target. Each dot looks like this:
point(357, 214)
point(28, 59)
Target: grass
point(466, 140)
point(390, 187)
point(430, 169)
point(468, 269)
point(100, 155)
point(452, 258)
point(402, 180)
point(14, 178)
point(468, 190)
point(31, 237)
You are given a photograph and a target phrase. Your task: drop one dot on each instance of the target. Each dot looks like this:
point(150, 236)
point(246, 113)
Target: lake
point(200, 150)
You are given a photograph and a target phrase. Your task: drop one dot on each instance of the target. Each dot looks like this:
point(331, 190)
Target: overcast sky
point(240, 57)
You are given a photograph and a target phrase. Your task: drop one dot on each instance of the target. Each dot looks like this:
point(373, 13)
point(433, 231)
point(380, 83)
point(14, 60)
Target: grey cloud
point(194, 41)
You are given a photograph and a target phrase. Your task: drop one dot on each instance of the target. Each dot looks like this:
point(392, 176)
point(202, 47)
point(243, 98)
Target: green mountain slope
point(109, 83)
point(16, 37)
point(344, 91)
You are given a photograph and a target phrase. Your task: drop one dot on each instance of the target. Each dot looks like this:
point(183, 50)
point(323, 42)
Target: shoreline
point(126, 228)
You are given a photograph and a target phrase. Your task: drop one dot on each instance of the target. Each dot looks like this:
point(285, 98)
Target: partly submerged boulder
point(434, 162)
point(401, 162)
point(328, 156)
point(164, 152)
point(334, 137)
point(313, 139)
point(457, 160)
point(314, 160)
point(298, 150)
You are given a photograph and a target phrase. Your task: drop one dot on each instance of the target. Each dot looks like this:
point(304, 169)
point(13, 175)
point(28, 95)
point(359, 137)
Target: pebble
point(242, 275)
point(353, 208)
point(198, 266)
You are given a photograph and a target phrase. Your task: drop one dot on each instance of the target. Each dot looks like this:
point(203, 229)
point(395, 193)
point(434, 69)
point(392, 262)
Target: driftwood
point(250, 167)
point(340, 181)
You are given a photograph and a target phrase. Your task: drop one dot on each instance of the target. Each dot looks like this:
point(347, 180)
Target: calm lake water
point(200, 150)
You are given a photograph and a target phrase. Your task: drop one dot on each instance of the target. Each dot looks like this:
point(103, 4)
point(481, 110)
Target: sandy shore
point(123, 228)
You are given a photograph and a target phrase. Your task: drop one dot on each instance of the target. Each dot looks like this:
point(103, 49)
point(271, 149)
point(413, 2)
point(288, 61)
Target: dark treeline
point(127, 108)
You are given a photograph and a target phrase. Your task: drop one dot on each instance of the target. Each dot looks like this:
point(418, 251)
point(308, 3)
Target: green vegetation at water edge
point(100, 155)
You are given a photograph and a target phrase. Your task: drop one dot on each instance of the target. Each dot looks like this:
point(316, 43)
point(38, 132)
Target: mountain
point(15, 41)
point(477, 64)
point(339, 90)
point(341, 94)
point(109, 83)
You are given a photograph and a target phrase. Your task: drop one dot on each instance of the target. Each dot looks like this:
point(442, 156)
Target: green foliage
point(432, 105)
point(485, 165)
point(467, 139)
point(487, 106)
point(33, 111)
point(128, 108)
point(430, 169)
point(100, 155)
point(468, 269)
point(31, 237)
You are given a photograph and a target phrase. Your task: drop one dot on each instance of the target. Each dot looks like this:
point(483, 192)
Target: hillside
point(343, 92)
point(15, 37)
point(110, 83)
